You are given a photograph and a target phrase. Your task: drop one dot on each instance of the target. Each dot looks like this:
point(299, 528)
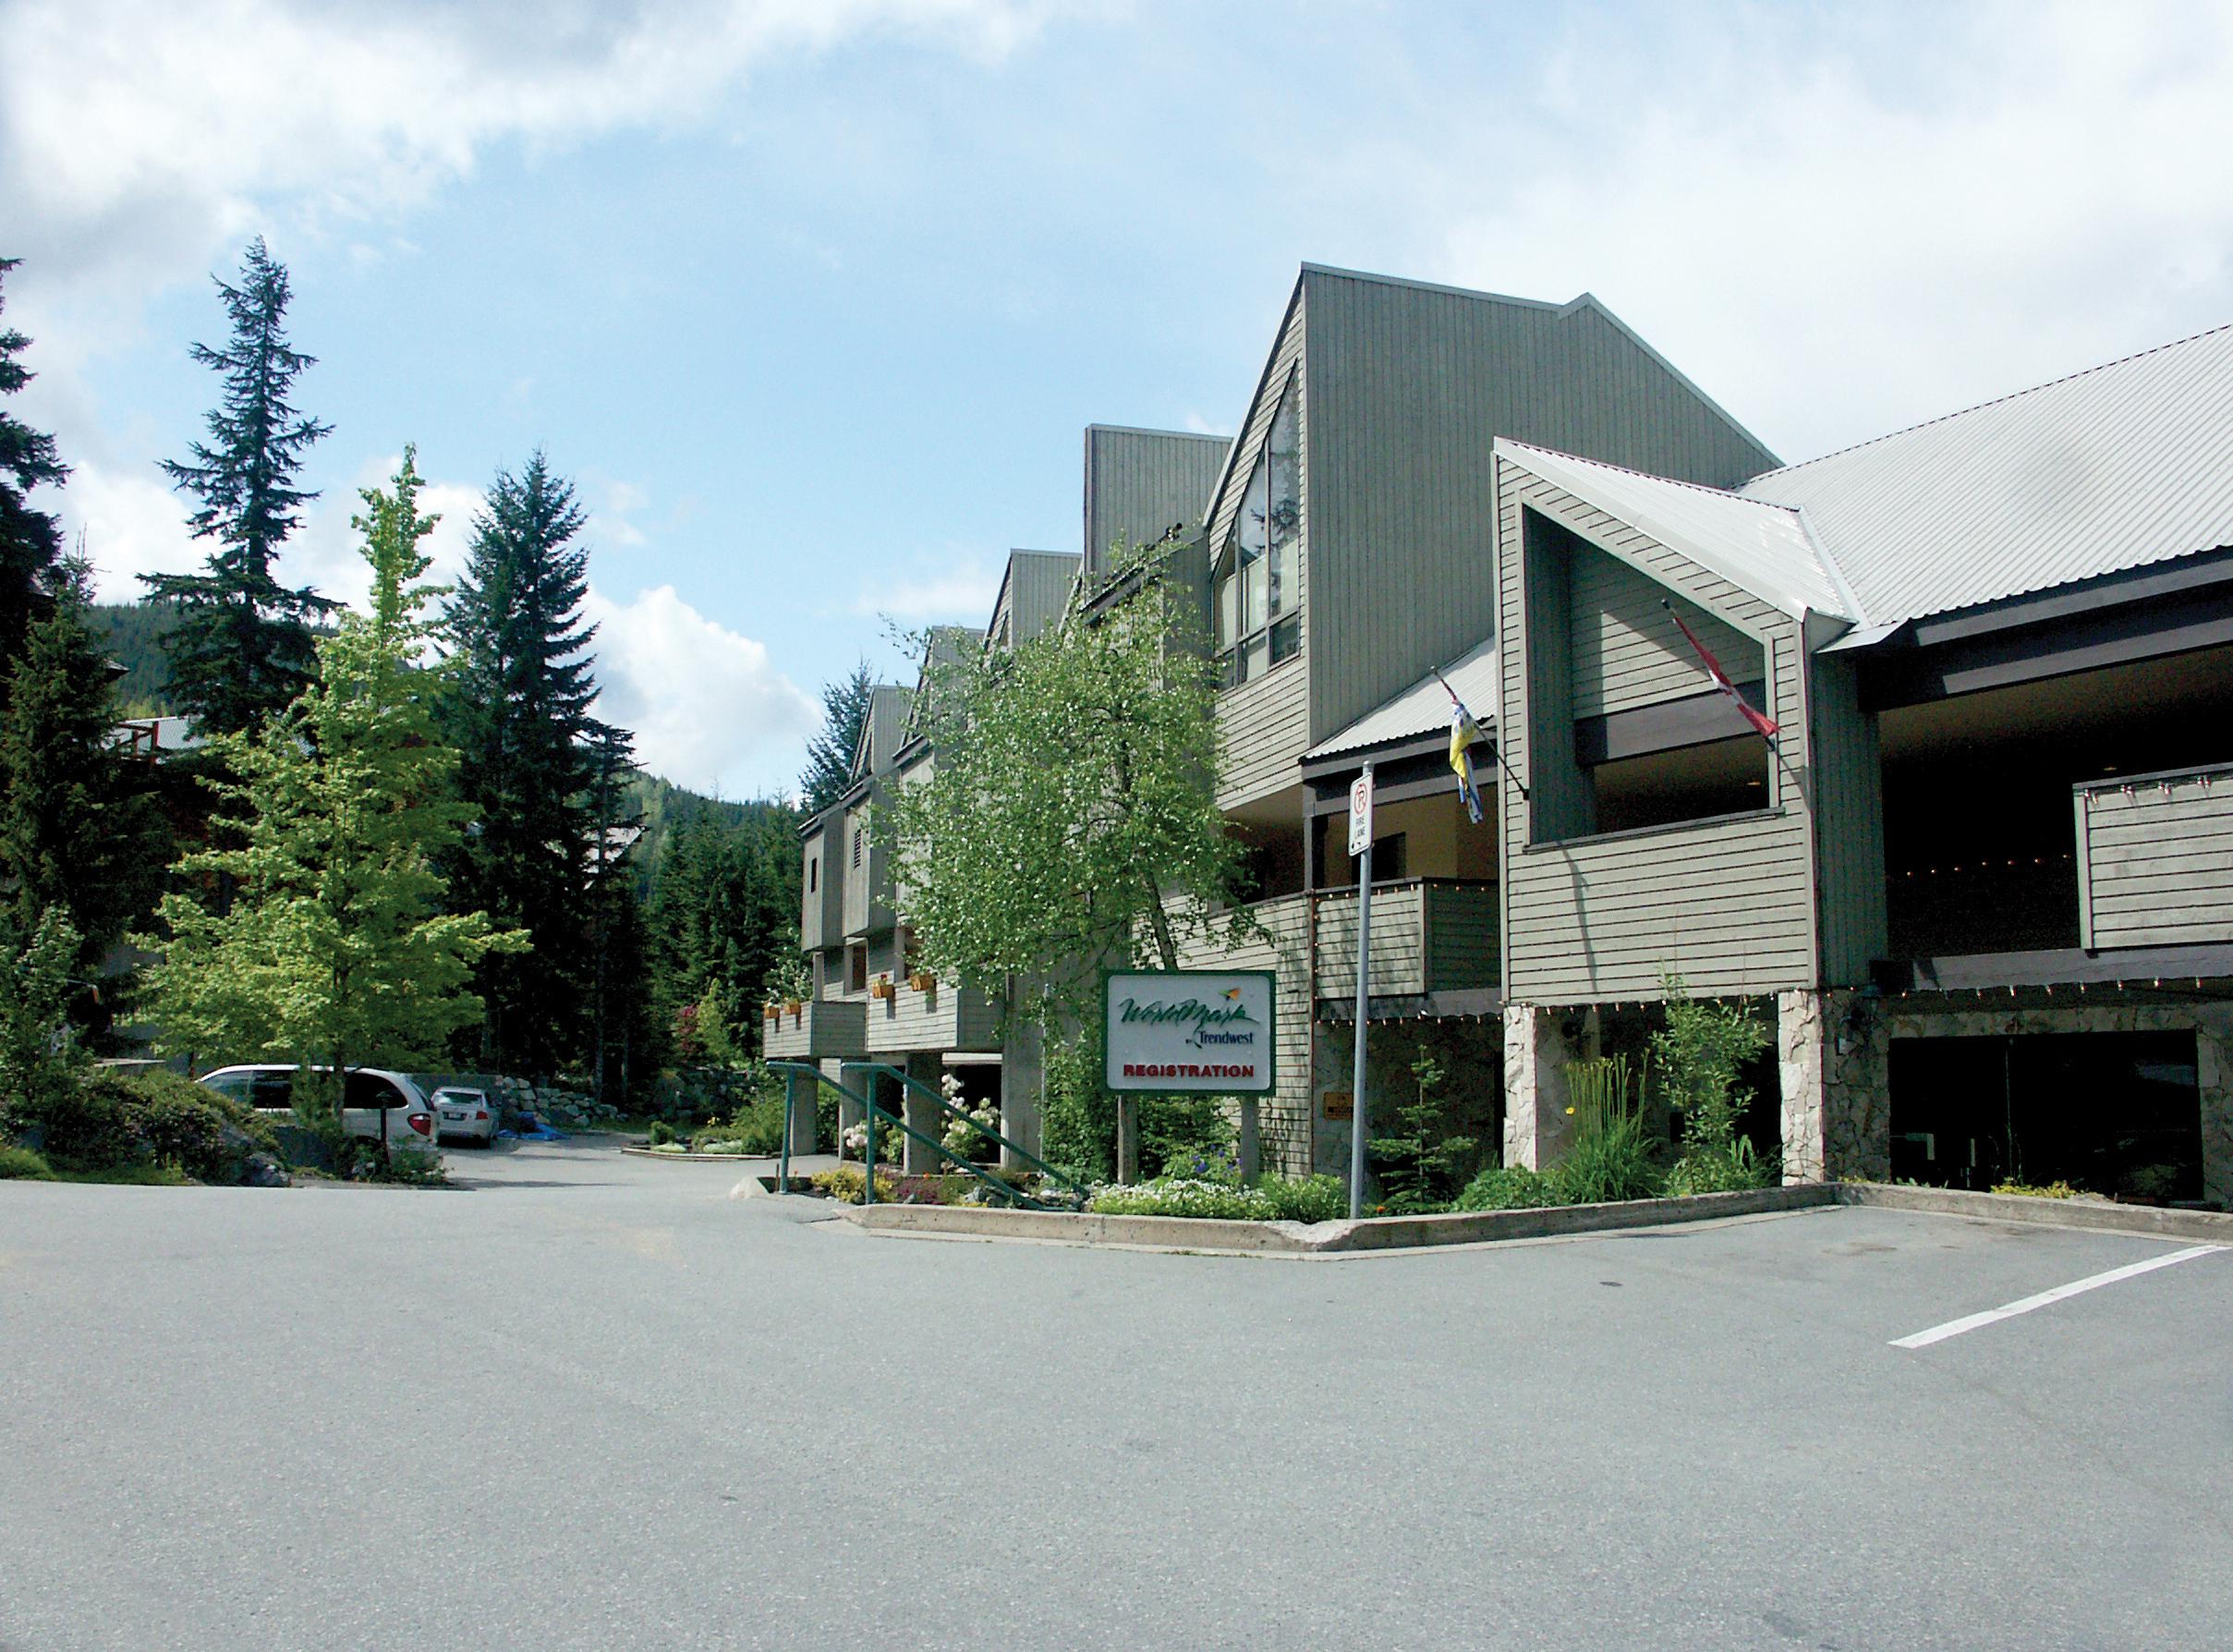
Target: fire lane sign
point(1196, 1029)
point(1360, 813)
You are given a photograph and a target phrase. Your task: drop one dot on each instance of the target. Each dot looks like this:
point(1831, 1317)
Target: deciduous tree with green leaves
point(242, 646)
point(1070, 821)
point(335, 948)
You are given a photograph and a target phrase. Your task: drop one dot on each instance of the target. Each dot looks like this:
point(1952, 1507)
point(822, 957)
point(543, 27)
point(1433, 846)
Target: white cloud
point(959, 588)
point(708, 709)
point(1839, 237)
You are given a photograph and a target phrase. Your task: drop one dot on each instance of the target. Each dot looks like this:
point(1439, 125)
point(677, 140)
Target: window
point(1259, 575)
point(814, 874)
point(856, 968)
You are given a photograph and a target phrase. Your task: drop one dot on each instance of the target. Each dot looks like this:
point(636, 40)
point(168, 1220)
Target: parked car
point(376, 1104)
point(462, 1114)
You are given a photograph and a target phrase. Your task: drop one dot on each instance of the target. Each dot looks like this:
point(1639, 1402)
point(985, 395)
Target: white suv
point(379, 1105)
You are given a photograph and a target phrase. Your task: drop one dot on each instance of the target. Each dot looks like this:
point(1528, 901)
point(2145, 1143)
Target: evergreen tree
point(335, 948)
point(243, 645)
point(31, 540)
point(530, 762)
point(830, 752)
point(723, 916)
point(81, 829)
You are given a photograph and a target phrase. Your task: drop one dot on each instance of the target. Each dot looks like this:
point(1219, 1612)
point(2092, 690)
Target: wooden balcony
point(819, 1027)
point(945, 1017)
point(2155, 860)
point(1431, 937)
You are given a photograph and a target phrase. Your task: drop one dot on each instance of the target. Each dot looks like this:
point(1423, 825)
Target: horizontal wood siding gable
point(2157, 863)
point(1728, 905)
point(1627, 652)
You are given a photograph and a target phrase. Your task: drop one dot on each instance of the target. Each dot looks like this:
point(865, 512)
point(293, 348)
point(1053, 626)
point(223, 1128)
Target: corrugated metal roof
point(2116, 468)
point(1760, 547)
point(1423, 708)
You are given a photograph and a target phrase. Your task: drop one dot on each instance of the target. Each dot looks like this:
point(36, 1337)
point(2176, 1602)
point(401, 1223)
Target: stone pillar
point(1833, 1055)
point(1536, 1125)
point(916, 1159)
point(2213, 1076)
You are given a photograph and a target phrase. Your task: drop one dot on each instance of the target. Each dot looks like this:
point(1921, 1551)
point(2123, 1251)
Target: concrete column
point(803, 1093)
point(1023, 1085)
point(916, 1159)
point(849, 1113)
point(1536, 1126)
point(1834, 1058)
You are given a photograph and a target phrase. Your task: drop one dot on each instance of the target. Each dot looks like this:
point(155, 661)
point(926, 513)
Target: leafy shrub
point(1079, 1123)
point(20, 1164)
point(662, 1133)
point(87, 1125)
point(1180, 1196)
point(1610, 1163)
point(1697, 1057)
point(2052, 1190)
point(843, 1181)
point(1512, 1187)
point(1305, 1198)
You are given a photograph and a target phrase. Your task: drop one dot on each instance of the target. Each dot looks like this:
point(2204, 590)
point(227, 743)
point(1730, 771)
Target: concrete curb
point(1326, 1238)
point(1205, 1236)
point(701, 1158)
point(2093, 1215)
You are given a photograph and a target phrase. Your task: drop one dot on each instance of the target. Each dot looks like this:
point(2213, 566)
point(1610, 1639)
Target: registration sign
point(1207, 1030)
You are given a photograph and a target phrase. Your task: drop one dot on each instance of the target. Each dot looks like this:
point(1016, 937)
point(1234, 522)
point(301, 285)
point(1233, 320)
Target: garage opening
point(2110, 1114)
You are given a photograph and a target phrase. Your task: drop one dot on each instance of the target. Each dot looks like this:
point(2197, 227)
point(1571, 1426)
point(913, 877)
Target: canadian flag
point(1761, 722)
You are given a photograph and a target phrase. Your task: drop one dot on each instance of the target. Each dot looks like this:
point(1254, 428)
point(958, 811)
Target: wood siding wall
point(1729, 903)
point(1426, 937)
point(948, 1017)
point(821, 891)
point(827, 1026)
point(1626, 652)
point(2155, 862)
point(1410, 386)
point(1266, 726)
point(1284, 1116)
point(1140, 483)
point(867, 900)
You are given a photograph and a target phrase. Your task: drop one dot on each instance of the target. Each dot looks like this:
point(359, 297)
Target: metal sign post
point(1360, 844)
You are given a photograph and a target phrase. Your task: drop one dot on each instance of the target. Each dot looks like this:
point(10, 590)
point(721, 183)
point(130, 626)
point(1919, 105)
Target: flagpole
point(1496, 746)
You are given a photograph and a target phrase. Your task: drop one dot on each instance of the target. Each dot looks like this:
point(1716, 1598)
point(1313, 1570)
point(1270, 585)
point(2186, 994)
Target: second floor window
point(1258, 574)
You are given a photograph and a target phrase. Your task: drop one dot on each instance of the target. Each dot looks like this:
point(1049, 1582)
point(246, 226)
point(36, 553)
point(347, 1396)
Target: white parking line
point(1954, 1327)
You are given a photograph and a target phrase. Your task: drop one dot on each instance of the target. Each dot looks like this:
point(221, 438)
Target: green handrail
point(948, 1108)
point(872, 1112)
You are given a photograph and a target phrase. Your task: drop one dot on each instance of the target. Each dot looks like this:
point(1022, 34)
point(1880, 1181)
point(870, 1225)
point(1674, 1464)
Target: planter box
point(923, 983)
point(880, 988)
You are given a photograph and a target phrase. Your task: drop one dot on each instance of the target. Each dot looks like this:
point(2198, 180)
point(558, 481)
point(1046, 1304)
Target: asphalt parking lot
point(590, 1401)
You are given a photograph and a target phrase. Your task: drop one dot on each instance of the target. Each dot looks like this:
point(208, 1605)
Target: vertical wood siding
point(1849, 822)
point(1141, 483)
point(1409, 387)
point(2155, 864)
point(1727, 905)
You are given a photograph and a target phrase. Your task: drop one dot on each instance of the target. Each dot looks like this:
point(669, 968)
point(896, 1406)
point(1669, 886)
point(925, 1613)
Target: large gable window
point(1258, 581)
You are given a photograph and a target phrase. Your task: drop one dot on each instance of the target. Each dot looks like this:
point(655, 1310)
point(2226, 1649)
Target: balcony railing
point(1428, 935)
point(818, 1028)
point(2155, 858)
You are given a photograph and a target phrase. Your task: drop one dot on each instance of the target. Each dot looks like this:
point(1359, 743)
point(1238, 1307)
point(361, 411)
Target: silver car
point(464, 1115)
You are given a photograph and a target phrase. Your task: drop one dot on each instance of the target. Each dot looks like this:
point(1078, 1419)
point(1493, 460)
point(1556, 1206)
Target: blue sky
point(813, 298)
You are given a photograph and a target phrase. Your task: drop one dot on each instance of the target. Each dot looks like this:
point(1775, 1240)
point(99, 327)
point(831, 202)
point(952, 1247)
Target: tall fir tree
point(30, 540)
point(830, 752)
point(531, 758)
point(81, 826)
point(339, 946)
point(244, 645)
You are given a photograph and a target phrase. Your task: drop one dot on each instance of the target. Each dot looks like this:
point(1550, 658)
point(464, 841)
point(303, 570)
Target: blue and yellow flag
point(1464, 735)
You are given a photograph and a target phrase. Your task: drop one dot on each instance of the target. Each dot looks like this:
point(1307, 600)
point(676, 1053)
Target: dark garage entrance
point(2108, 1112)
